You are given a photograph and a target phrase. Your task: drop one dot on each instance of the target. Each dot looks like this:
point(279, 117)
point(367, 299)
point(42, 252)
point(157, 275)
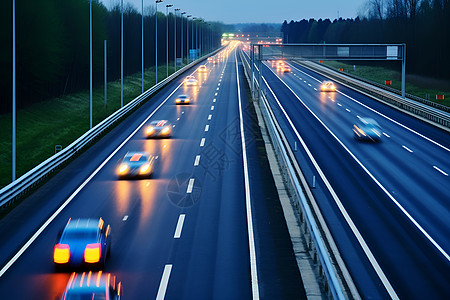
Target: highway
point(387, 203)
point(205, 226)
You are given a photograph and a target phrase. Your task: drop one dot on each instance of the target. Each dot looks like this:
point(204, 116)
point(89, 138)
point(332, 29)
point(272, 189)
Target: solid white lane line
point(209, 117)
point(444, 173)
point(164, 282)
point(405, 212)
point(202, 142)
point(179, 227)
point(125, 218)
point(206, 127)
point(190, 186)
point(68, 200)
point(197, 160)
point(212, 107)
point(251, 238)
point(407, 149)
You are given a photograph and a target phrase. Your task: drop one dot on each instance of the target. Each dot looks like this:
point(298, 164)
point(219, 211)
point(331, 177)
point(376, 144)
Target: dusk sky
point(258, 11)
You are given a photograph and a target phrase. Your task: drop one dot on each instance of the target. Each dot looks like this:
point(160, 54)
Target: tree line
point(424, 25)
point(52, 45)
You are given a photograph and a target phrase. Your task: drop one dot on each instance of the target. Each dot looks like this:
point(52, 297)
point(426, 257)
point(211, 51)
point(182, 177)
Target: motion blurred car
point(280, 64)
point(83, 243)
point(367, 129)
point(209, 59)
point(182, 99)
point(202, 69)
point(327, 86)
point(190, 80)
point(286, 69)
point(92, 286)
point(136, 164)
point(161, 128)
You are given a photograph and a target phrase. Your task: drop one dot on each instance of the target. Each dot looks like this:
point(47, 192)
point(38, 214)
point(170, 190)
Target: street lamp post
point(121, 55)
point(193, 19)
point(156, 39)
point(175, 38)
point(167, 39)
point(142, 43)
point(90, 64)
point(182, 45)
point(187, 39)
point(14, 91)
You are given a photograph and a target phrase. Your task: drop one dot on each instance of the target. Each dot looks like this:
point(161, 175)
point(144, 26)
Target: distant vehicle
point(190, 80)
point(136, 164)
point(327, 86)
point(92, 286)
point(367, 129)
point(280, 64)
point(202, 69)
point(160, 128)
point(209, 59)
point(84, 243)
point(182, 99)
point(286, 69)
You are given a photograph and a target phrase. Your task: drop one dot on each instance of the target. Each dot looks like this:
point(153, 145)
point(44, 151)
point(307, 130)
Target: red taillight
point(92, 253)
point(61, 253)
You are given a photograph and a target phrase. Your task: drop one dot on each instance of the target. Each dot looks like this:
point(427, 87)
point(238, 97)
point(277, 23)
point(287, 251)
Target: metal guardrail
point(33, 177)
point(287, 159)
point(434, 115)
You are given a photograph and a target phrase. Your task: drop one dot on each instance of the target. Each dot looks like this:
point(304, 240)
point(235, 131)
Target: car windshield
point(85, 296)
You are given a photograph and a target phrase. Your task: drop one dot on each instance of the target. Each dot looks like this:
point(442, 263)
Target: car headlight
point(123, 169)
point(177, 100)
point(165, 130)
point(150, 130)
point(145, 169)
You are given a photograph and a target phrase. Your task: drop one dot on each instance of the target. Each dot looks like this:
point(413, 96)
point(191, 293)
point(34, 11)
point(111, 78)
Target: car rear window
point(77, 234)
point(85, 296)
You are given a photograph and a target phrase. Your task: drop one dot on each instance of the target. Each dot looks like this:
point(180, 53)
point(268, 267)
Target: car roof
point(182, 96)
point(84, 224)
point(368, 121)
point(89, 282)
point(159, 123)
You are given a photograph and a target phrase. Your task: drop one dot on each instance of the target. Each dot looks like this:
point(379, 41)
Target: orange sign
point(387, 82)
point(439, 97)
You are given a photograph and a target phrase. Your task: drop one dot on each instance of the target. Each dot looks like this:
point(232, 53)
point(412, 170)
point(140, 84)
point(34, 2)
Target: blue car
point(83, 243)
point(92, 286)
point(136, 164)
point(367, 129)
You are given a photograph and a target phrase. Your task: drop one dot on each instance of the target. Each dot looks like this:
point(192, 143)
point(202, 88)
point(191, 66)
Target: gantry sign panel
point(331, 51)
point(392, 52)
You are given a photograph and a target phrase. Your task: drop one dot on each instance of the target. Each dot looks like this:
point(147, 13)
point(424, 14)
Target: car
point(136, 164)
point(83, 243)
point(367, 129)
point(182, 99)
point(92, 285)
point(286, 69)
point(209, 59)
point(202, 69)
point(190, 81)
point(327, 86)
point(160, 128)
